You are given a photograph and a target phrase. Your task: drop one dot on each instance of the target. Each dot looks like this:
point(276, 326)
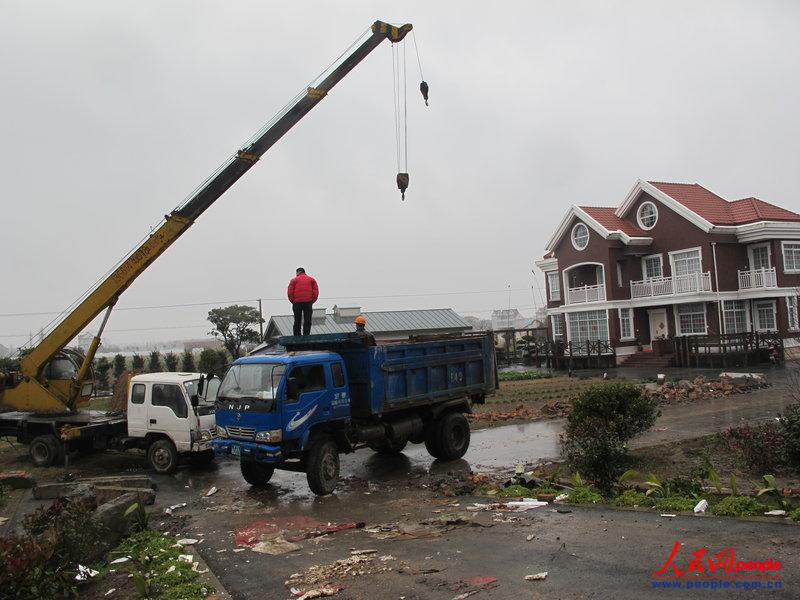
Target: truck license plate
point(236, 451)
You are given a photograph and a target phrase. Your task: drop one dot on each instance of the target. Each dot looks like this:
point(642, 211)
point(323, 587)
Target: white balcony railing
point(757, 278)
point(586, 293)
point(671, 286)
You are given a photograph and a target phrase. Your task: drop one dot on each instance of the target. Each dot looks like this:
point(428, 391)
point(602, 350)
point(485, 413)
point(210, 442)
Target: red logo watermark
point(722, 565)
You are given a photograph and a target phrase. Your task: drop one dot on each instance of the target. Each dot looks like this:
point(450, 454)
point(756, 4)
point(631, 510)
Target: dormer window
point(647, 215)
point(580, 236)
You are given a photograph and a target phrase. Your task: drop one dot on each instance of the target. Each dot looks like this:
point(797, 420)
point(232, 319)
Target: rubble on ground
point(324, 576)
point(700, 388)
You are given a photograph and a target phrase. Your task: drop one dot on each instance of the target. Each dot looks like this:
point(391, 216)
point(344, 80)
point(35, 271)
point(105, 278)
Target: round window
point(647, 215)
point(580, 236)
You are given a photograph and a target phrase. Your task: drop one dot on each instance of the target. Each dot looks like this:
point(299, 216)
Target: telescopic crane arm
point(29, 390)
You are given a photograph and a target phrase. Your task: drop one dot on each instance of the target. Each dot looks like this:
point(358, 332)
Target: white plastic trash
point(701, 506)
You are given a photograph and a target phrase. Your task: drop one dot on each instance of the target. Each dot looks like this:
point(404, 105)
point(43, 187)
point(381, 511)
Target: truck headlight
point(222, 432)
point(274, 435)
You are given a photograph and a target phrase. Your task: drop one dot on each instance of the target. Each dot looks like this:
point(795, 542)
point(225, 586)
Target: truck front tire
point(256, 474)
point(447, 438)
point(46, 450)
point(163, 456)
point(322, 466)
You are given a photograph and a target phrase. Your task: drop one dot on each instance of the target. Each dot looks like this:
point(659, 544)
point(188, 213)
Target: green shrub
point(602, 419)
point(790, 422)
point(738, 506)
point(795, 514)
point(514, 491)
point(763, 447)
point(632, 498)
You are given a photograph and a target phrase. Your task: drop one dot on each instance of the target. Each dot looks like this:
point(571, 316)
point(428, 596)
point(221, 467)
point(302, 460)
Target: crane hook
point(423, 87)
point(402, 184)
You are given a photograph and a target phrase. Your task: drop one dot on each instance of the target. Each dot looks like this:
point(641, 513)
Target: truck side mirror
point(201, 385)
point(292, 388)
point(194, 400)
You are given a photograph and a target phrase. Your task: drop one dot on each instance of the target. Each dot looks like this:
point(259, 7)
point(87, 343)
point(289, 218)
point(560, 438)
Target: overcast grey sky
point(113, 111)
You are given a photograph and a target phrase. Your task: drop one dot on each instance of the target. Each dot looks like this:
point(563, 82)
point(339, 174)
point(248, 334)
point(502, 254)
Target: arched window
point(647, 215)
point(580, 236)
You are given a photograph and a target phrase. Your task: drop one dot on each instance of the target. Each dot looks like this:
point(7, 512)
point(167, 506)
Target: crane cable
point(400, 89)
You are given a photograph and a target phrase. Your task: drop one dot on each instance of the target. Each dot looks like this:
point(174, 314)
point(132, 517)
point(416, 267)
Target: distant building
point(4, 351)
point(508, 319)
point(394, 325)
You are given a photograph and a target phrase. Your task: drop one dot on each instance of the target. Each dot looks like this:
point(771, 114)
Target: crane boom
point(30, 391)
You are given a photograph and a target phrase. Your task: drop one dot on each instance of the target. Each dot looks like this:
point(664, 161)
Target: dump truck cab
point(275, 401)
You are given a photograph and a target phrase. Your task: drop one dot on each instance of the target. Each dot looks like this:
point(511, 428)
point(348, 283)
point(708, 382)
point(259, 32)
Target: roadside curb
point(209, 576)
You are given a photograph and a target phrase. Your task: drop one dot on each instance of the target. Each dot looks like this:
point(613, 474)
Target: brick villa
point(673, 259)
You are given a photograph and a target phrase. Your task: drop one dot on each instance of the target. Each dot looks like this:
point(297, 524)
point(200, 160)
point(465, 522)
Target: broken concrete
point(17, 480)
point(51, 491)
point(110, 516)
point(107, 493)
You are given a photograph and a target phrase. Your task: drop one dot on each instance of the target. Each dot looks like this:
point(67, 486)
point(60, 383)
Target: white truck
point(169, 415)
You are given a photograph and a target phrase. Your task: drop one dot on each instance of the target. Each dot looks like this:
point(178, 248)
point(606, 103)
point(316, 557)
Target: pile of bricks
point(700, 389)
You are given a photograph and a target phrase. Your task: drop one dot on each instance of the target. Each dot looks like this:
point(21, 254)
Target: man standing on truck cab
point(303, 292)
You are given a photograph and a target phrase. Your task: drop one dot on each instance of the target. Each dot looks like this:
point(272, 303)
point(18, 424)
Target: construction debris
point(536, 577)
point(700, 389)
point(324, 575)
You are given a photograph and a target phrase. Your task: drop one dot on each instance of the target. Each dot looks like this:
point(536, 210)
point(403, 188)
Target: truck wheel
point(453, 436)
point(389, 447)
point(256, 474)
point(322, 466)
point(46, 450)
point(432, 440)
point(163, 456)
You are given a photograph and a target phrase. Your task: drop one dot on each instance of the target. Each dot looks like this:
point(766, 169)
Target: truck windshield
point(209, 394)
point(258, 381)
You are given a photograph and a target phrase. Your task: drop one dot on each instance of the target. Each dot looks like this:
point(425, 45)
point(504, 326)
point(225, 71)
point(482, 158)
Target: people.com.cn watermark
point(720, 571)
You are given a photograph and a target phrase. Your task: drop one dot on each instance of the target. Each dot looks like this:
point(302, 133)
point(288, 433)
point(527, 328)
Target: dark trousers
point(302, 313)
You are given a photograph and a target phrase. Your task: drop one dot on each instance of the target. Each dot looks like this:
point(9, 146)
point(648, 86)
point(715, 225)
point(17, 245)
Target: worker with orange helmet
point(361, 324)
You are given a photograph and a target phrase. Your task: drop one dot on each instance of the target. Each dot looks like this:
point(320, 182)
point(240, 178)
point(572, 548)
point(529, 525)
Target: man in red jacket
point(303, 292)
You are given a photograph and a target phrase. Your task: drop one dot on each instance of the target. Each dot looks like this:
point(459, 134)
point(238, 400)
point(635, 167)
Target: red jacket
point(303, 288)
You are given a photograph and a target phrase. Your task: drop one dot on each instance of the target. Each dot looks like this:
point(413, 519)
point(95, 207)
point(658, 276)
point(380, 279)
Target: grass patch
point(675, 503)
point(157, 572)
point(631, 498)
point(795, 514)
point(522, 375)
point(738, 506)
point(515, 491)
point(584, 495)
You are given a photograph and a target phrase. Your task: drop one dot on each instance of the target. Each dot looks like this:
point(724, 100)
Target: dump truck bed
point(396, 376)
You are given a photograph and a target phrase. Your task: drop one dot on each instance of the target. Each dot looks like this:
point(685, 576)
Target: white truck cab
point(172, 414)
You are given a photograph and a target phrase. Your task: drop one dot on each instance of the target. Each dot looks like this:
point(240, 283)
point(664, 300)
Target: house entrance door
point(658, 323)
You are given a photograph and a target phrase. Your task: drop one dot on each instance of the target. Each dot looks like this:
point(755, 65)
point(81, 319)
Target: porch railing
point(757, 278)
point(671, 286)
point(586, 293)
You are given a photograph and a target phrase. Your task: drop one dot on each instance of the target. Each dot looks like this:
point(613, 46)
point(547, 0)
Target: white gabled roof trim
point(643, 186)
point(578, 212)
point(547, 264)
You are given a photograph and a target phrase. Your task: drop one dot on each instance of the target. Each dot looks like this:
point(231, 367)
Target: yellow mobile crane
point(52, 382)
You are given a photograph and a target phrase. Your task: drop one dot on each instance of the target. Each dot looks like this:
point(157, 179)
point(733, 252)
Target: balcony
point(671, 286)
point(757, 278)
point(586, 293)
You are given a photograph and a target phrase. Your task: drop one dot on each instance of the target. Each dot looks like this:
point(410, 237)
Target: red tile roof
point(718, 211)
point(606, 217)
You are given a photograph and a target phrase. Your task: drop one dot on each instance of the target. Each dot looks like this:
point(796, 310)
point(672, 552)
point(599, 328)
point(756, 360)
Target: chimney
point(346, 312)
point(319, 313)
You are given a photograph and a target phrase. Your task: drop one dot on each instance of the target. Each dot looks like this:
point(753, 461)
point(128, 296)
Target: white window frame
point(747, 307)
point(553, 294)
point(569, 317)
point(672, 254)
point(629, 312)
point(639, 215)
point(660, 258)
point(791, 313)
point(678, 330)
point(783, 252)
point(572, 236)
point(556, 320)
point(757, 320)
point(750, 255)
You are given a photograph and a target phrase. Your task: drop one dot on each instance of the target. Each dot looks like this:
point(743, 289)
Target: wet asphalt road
point(588, 553)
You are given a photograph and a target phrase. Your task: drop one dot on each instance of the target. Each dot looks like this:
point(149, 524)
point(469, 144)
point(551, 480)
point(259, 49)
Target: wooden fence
point(727, 350)
point(598, 354)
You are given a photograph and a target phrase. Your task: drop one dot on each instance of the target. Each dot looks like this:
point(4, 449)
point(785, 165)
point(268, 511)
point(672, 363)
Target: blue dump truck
point(329, 394)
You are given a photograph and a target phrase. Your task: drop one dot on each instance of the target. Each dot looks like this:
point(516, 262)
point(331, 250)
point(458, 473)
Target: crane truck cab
point(168, 415)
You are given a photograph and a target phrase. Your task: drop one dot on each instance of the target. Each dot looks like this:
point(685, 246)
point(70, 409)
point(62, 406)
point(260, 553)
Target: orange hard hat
point(361, 320)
